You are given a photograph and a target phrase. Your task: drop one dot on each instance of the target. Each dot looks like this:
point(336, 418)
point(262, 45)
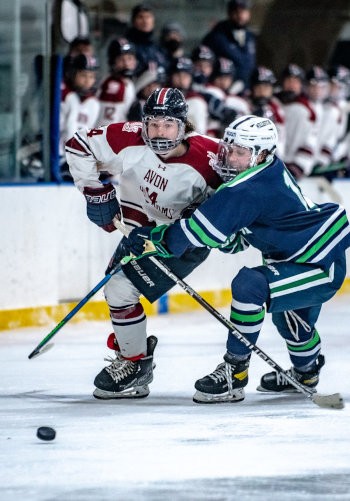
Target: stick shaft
point(71, 314)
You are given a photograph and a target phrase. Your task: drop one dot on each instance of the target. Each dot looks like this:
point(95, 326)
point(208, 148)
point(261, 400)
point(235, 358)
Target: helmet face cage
point(168, 104)
point(160, 146)
point(254, 133)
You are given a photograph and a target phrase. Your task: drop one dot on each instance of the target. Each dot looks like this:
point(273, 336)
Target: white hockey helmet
point(254, 133)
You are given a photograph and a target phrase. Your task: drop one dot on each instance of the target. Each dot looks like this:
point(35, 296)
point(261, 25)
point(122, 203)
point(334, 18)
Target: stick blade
point(40, 351)
point(334, 401)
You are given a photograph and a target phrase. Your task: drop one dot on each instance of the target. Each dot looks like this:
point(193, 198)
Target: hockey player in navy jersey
point(303, 248)
point(163, 167)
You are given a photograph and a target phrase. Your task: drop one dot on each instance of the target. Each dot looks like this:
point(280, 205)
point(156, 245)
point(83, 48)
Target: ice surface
point(165, 447)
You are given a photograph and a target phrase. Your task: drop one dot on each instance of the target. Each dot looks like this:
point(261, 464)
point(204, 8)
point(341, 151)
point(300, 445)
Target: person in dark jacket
point(141, 33)
point(232, 39)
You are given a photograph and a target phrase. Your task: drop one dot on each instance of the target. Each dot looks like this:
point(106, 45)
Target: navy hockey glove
point(139, 239)
point(122, 250)
point(102, 206)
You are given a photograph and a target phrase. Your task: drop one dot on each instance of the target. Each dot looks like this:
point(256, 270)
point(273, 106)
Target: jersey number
point(152, 197)
point(295, 188)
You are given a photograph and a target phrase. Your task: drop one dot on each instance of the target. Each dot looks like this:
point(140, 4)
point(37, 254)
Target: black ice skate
point(125, 378)
point(225, 384)
point(274, 382)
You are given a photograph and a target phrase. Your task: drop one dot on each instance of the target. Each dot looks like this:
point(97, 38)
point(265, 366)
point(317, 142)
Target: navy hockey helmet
point(339, 74)
point(254, 133)
point(119, 46)
point(202, 53)
point(170, 104)
point(223, 66)
point(316, 74)
point(181, 64)
point(293, 70)
point(262, 74)
point(84, 63)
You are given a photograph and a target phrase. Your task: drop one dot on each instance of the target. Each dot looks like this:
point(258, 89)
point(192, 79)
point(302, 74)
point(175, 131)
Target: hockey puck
point(45, 433)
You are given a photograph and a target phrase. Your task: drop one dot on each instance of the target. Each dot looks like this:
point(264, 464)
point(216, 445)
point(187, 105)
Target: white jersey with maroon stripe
point(151, 189)
point(301, 133)
point(76, 113)
point(116, 95)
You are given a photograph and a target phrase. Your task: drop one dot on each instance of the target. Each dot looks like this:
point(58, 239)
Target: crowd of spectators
point(221, 81)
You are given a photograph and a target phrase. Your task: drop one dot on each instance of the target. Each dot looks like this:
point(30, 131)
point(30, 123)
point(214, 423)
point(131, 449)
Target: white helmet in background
point(254, 133)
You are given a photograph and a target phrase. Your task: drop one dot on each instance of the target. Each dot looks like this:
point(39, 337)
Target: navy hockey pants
point(294, 294)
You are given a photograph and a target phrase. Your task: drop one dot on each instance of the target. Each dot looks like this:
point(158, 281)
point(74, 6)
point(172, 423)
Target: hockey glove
point(148, 241)
point(236, 243)
point(102, 206)
point(122, 250)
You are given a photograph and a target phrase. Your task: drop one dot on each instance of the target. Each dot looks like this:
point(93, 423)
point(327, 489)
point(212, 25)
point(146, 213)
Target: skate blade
point(264, 390)
point(136, 392)
point(207, 398)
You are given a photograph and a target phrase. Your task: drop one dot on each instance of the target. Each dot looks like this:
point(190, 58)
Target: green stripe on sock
point(250, 317)
point(311, 344)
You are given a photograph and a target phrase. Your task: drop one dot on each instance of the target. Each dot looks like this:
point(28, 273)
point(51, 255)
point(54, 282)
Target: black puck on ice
point(45, 433)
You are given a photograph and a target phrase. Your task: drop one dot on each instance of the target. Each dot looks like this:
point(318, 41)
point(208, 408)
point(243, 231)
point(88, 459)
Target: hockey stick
point(334, 401)
point(324, 169)
point(43, 346)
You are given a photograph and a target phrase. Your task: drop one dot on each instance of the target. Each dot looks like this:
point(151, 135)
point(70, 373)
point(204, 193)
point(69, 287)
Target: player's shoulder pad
point(122, 134)
point(201, 155)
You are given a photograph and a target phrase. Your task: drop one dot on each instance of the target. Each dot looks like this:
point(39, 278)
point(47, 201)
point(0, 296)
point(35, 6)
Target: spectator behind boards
point(141, 33)
point(232, 39)
point(117, 91)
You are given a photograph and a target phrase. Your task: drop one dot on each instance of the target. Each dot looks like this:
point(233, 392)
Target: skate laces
point(223, 372)
point(120, 368)
point(281, 380)
point(219, 374)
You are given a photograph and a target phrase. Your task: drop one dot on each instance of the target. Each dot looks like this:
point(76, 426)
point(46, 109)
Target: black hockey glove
point(122, 250)
point(102, 206)
point(139, 238)
point(187, 212)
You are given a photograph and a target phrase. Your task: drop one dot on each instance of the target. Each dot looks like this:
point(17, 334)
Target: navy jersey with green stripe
point(265, 208)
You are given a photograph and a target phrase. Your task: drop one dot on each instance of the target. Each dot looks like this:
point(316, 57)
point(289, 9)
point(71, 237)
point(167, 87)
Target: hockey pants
point(124, 289)
point(294, 294)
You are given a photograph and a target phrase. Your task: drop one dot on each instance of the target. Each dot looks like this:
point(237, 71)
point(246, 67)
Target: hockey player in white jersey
point(117, 92)
point(79, 106)
point(334, 138)
point(264, 104)
point(163, 167)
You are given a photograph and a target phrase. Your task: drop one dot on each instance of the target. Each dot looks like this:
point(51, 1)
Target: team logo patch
point(212, 158)
point(132, 126)
point(262, 124)
point(113, 87)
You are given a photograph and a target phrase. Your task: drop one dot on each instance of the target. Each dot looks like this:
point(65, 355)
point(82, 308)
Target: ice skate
point(225, 384)
point(275, 382)
point(126, 378)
